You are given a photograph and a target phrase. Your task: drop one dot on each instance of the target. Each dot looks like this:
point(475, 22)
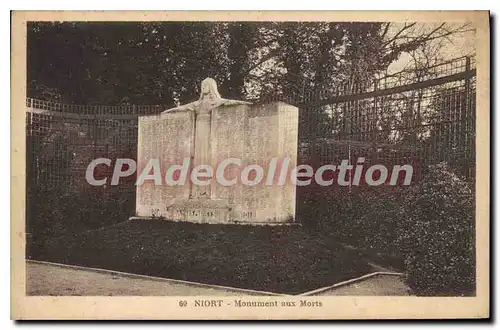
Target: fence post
point(464, 119)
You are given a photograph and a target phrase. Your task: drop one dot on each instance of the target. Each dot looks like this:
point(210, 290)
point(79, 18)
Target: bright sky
point(453, 46)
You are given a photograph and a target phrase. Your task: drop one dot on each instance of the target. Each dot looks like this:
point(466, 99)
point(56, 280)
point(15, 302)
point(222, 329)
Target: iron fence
point(421, 116)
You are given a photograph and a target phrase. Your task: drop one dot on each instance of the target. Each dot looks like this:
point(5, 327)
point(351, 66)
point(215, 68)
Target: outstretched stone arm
point(233, 102)
point(186, 107)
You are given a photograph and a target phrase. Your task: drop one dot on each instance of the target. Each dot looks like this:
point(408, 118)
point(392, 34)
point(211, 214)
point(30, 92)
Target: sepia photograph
point(251, 167)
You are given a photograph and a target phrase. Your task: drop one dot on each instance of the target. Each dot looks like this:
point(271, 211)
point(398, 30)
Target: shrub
point(53, 211)
point(365, 217)
point(329, 211)
point(436, 235)
point(377, 226)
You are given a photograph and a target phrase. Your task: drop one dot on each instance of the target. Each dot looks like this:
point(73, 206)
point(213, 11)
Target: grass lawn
point(283, 259)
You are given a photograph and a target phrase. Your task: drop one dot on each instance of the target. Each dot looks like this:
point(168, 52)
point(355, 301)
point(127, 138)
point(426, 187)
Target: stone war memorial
point(212, 135)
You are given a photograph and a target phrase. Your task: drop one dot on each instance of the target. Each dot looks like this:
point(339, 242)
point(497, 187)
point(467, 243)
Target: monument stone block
point(251, 141)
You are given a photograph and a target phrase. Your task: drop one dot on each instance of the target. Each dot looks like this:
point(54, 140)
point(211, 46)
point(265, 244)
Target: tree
point(163, 62)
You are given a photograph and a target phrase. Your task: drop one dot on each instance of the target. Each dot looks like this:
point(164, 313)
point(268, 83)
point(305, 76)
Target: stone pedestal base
point(247, 223)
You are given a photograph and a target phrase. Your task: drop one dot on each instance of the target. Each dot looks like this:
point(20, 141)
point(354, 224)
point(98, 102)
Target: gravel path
point(48, 279)
point(45, 279)
point(379, 285)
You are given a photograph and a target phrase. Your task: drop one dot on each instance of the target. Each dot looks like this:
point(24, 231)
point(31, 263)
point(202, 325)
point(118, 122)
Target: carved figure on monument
point(202, 108)
point(209, 99)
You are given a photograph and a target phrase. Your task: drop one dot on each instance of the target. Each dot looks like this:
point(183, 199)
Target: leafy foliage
point(425, 230)
point(363, 218)
point(436, 235)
